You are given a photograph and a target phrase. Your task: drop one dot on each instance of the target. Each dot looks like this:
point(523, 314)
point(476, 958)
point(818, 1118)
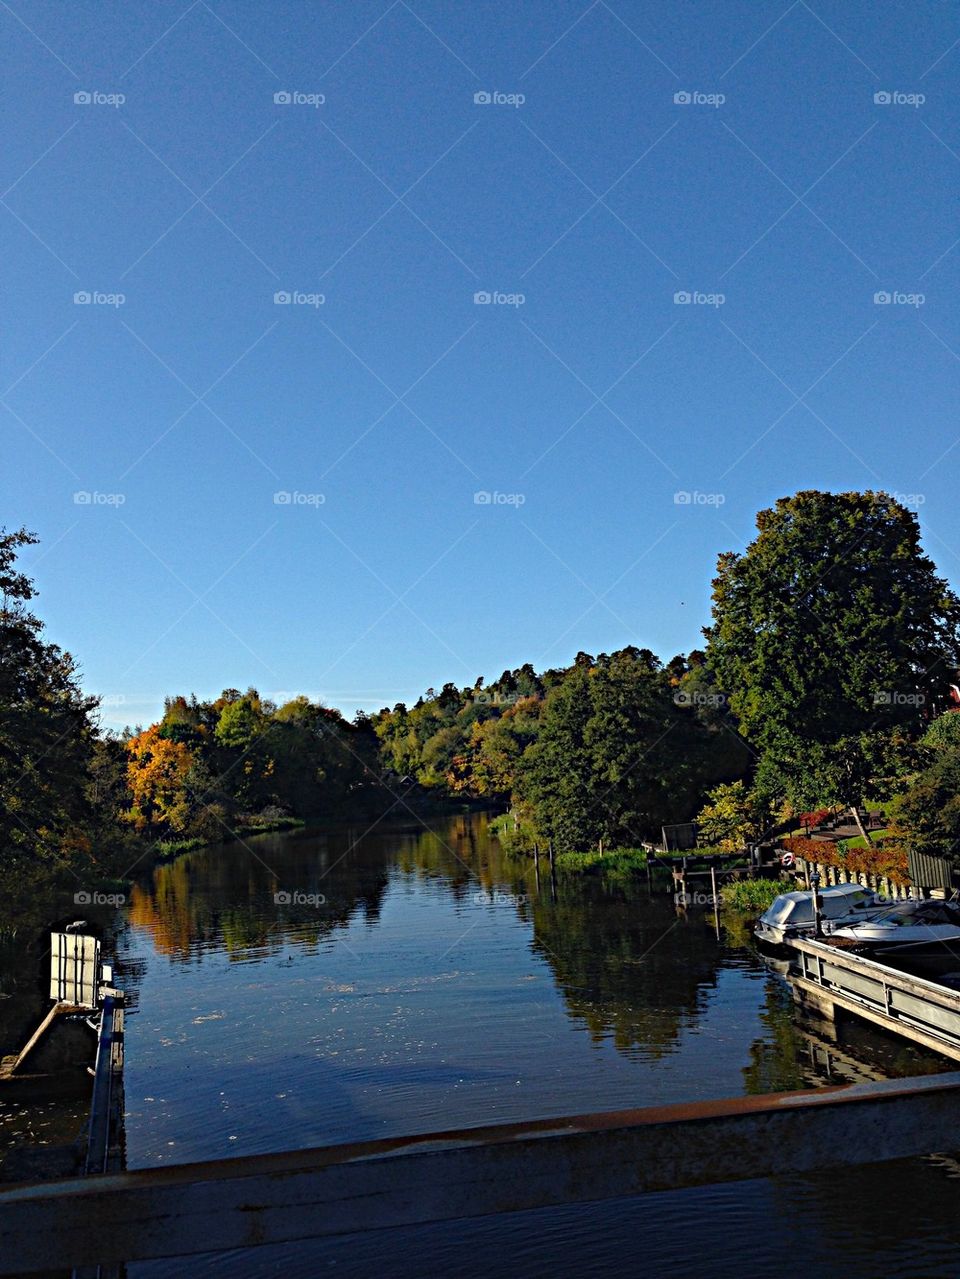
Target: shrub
point(753, 894)
point(887, 857)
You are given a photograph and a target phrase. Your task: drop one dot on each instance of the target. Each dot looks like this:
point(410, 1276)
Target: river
point(319, 987)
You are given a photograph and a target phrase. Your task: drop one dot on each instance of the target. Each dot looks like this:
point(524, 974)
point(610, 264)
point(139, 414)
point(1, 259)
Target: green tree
point(732, 816)
point(832, 634)
point(47, 731)
point(926, 816)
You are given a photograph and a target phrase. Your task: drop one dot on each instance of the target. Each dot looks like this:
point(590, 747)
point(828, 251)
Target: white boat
point(791, 914)
point(913, 927)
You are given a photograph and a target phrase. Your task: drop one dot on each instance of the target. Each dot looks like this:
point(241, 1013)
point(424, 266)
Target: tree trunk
point(854, 808)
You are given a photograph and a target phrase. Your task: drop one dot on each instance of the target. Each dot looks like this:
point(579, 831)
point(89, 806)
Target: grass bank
point(753, 894)
point(167, 849)
point(614, 863)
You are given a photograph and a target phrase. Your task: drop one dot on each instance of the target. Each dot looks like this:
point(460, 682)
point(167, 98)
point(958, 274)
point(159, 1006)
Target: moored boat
point(792, 914)
point(910, 928)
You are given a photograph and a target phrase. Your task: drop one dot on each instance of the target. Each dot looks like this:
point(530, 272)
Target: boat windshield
point(794, 910)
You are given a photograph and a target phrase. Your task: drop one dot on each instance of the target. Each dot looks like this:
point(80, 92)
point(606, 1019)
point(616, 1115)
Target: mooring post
point(817, 922)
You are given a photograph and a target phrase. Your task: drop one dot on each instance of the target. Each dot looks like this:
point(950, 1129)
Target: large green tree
point(833, 636)
point(47, 730)
point(619, 754)
point(926, 814)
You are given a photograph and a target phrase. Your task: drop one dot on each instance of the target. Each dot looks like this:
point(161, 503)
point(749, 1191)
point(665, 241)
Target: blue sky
point(619, 155)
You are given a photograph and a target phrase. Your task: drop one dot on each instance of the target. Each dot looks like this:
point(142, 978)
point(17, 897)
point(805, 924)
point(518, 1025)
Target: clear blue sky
point(590, 404)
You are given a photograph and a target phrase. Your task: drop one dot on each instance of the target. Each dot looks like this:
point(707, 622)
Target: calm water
point(411, 980)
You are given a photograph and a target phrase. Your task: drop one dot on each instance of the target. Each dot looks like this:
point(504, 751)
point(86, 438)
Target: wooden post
point(716, 900)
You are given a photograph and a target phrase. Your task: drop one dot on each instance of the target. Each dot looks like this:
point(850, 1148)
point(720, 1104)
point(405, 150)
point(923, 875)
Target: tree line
point(823, 680)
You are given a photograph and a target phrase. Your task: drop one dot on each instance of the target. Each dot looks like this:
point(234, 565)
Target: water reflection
point(316, 987)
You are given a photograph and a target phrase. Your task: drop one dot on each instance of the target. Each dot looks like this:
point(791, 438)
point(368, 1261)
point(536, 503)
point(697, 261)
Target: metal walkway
point(825, 978)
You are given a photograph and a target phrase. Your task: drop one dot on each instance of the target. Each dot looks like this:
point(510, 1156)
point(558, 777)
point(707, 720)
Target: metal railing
point(920, 1010)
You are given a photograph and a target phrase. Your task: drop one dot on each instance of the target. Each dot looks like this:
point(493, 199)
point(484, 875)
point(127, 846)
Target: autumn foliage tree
point(158, 770)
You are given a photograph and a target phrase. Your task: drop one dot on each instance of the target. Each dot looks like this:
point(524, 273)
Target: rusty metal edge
point(258, 1199)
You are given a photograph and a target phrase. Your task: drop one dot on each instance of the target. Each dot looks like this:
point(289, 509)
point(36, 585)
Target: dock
point(826, 979)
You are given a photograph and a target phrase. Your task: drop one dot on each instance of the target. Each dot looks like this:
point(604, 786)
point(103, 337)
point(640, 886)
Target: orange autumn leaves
point(157, 772)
